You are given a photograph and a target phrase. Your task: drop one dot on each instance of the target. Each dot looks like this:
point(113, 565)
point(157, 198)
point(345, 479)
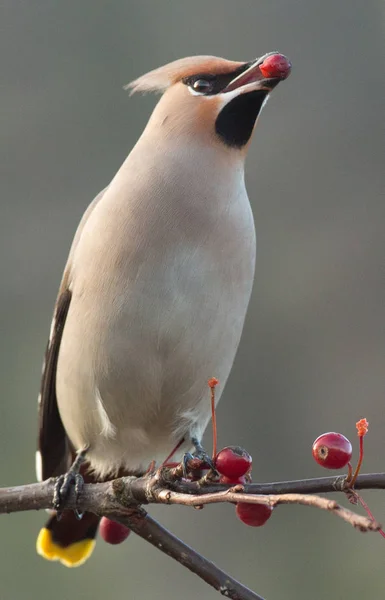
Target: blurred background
point(313, 351)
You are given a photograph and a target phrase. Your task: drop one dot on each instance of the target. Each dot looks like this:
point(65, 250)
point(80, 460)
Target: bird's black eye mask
point(207, 84)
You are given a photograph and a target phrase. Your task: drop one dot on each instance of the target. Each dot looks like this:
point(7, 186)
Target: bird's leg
point(64, 482)
point(167, 460)
point(200, 453)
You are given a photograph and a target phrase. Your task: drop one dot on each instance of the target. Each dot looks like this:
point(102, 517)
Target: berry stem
point(350, 472)
point(360, 459)
point(214, 420)
point(368, 511)
point(212, 383)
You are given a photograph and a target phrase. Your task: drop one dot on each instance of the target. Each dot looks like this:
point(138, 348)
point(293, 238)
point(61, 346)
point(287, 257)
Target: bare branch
point(103, 498)
point(122, 499)
point(357, 521)
point(319, 485)
point(151, 531)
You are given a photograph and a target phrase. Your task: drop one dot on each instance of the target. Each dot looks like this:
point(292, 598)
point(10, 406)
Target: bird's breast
point(159, 312)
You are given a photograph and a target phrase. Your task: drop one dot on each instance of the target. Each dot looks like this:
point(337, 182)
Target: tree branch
point(154, 533)
point(358, 521)
point(319, 485)
point(101, 498)
point(121, 500)
point(133, 491)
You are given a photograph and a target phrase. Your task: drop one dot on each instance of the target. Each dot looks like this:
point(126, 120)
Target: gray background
point(313, 351)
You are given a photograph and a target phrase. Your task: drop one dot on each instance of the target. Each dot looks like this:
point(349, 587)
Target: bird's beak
point(264, 73)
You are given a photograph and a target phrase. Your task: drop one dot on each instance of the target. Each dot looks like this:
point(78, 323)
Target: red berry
point(275, 65)
point(254, 515)
point(113, 532)
point(233, 462)
point(233, 481)
point(332, 450)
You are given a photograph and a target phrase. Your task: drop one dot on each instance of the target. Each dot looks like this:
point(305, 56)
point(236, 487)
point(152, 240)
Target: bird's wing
point(53, 456)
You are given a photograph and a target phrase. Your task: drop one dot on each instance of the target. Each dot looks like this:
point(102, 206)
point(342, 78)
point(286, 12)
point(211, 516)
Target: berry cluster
point(331, 450)
point(234, 467)
point(233, 464)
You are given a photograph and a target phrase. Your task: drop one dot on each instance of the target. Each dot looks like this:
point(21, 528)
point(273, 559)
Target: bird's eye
point(202, 86)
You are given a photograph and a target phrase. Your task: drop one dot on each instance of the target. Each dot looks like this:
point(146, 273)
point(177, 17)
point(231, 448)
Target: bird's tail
point(69, 540)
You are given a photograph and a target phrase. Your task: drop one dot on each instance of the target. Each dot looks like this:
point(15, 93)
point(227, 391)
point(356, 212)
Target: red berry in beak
point(275, 65)
point(113, 532)
point(332, 450)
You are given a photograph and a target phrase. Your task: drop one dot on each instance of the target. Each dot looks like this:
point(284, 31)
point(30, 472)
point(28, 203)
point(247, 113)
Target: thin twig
point(360, 522)
point(319, 485)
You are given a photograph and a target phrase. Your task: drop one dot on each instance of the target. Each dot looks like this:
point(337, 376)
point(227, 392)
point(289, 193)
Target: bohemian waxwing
point(156, 287)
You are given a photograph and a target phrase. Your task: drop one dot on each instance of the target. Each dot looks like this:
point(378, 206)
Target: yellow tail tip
point(71, 556)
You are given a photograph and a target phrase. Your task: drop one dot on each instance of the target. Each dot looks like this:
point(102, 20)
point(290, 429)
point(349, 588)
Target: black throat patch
point(235, 122)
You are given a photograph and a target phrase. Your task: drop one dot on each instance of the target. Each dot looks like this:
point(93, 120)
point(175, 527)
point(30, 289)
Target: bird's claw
point(62, 489)
point(200, 454)
point(64, 482)
point(187, 457)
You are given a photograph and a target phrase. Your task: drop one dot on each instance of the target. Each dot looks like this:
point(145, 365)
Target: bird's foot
point(199, 456)
point(63, 486)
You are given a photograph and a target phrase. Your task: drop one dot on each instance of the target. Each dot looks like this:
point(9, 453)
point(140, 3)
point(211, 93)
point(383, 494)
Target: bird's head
point(215, 100)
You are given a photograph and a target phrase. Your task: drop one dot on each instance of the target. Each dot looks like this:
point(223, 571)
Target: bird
point(155, 290)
